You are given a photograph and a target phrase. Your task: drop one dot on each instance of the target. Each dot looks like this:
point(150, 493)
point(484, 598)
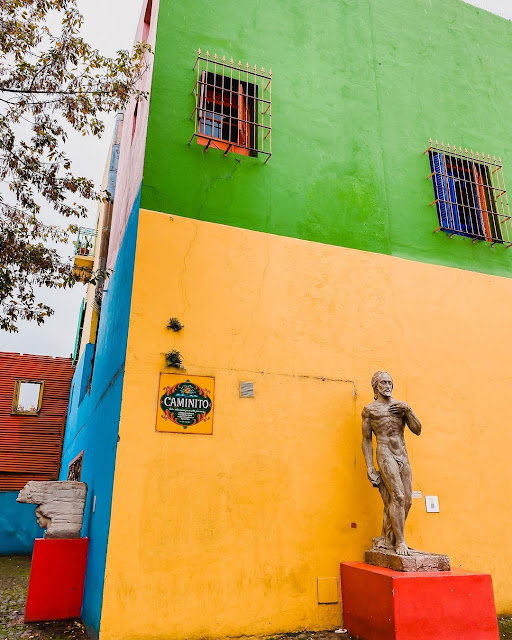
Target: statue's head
point(382, 382)
point(42, 519)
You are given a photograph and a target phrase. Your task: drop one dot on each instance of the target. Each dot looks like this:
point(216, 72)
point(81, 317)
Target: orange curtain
point(243, 118)
point(480, 192)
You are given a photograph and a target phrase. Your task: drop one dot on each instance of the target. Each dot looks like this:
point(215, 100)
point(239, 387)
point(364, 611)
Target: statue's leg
point(390, 474)
point(406, 476)
point(387, 537)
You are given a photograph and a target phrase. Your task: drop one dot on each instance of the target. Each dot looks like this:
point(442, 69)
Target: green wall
point(358, 88)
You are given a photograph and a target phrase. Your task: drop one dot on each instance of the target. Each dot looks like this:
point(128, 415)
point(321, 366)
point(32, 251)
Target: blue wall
point(93, 418)
point(18, 525)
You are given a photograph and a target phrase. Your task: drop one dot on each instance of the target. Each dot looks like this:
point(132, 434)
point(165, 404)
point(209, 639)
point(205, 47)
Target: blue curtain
point(444, 189)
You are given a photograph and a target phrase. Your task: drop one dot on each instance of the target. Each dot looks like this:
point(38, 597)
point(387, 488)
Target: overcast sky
point(501, 7)
point(109, 25)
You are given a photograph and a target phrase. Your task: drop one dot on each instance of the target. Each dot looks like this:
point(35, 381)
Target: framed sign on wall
point(185, 404)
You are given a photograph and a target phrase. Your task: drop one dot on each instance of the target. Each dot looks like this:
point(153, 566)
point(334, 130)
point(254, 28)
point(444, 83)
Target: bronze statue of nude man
point(386, 418)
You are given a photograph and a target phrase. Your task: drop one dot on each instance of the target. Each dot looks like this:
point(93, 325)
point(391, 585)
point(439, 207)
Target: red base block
point(57, 576)
point(381, 604)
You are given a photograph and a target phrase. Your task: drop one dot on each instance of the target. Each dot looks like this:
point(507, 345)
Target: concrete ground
point(14, 573)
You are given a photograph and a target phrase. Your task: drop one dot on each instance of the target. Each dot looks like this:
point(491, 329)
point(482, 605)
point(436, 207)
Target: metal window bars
point(470, 194)
point(233, 106)
point(75, 468)
point(84, 244)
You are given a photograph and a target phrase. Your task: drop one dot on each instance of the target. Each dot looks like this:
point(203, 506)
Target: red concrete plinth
point(382, 604)
point(57, 576)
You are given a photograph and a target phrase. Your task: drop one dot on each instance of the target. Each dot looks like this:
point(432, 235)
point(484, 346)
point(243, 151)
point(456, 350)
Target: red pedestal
point(57, 576)
point(381, 604)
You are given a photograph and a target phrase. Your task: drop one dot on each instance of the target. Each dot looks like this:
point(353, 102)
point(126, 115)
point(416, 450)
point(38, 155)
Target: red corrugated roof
point(31, 446)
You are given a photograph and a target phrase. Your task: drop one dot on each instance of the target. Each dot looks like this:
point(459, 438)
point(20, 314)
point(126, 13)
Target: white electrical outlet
point(432, 504)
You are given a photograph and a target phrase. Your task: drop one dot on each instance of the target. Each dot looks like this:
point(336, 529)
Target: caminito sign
point(185, 404)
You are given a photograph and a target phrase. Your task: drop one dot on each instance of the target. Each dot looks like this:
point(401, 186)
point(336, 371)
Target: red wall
point(30, 446)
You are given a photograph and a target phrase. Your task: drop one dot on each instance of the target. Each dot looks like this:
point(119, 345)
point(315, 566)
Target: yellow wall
point(227, 534)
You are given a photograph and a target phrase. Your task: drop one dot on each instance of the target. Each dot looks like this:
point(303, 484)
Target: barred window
point(232, 107)
point(470, 194)
point(75, 468)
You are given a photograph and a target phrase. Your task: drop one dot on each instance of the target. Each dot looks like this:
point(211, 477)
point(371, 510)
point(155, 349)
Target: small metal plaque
point(417, 494)
point(247, 389)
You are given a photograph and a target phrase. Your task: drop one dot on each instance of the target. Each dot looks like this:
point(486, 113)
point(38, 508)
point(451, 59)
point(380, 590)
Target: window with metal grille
point(470, 194)
point(75, 468)
point(232, 107)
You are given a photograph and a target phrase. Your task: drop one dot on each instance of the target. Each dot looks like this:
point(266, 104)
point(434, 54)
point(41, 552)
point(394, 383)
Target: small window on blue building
point(470, 195)
point(75, 468)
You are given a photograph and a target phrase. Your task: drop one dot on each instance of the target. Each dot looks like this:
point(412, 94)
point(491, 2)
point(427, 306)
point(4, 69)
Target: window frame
point(246, 125)
point(73, 464)
point(470, 195)
point(16, 396)
point(233, 100)
point(146, 25)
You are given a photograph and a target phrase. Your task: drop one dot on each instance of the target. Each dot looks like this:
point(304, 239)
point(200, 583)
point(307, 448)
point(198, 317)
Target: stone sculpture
point(60, 506)
point(386, 419)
